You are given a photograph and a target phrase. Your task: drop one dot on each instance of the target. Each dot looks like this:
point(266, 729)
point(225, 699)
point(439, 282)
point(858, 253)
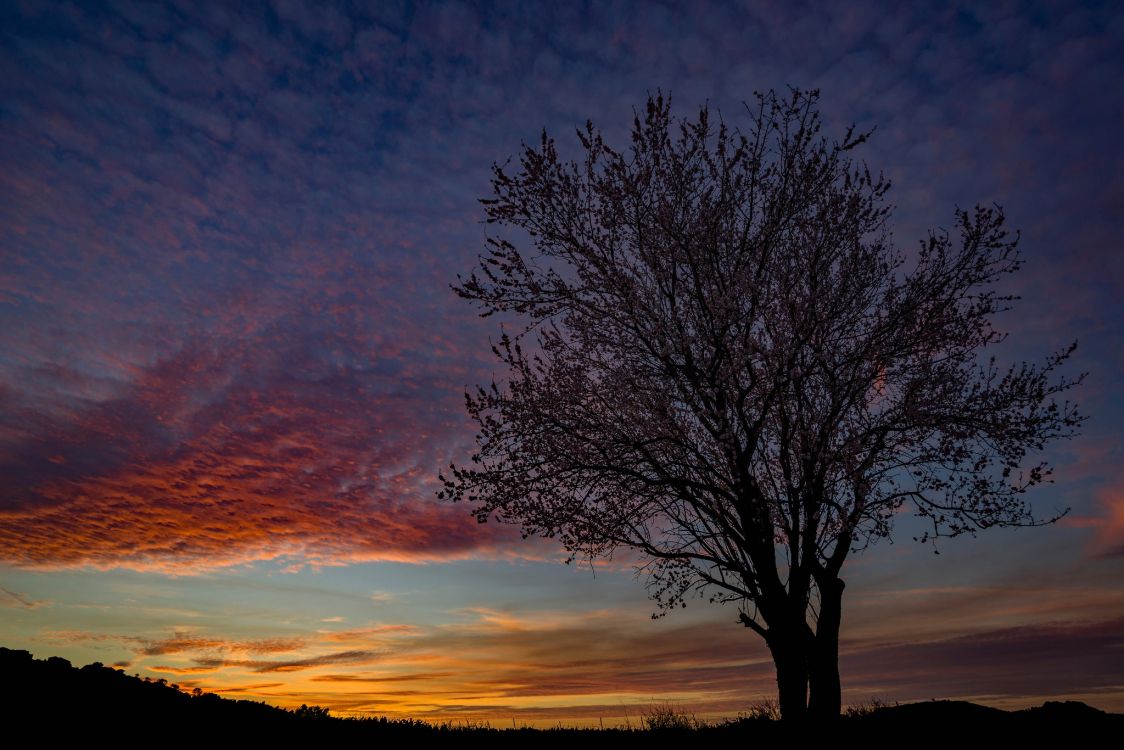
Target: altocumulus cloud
point(212, 458)
point(226, 347)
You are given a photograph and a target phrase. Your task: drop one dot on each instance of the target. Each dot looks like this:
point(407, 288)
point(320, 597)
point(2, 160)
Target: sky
point(231, 366)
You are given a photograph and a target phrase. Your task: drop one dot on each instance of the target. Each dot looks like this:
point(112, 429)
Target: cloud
point(1098, 464)
point(250, 688)
point(81, 636)
point(221, 365)
point(215, 458)
point(294, 665)
point(166, 669)
point(413, 677)
point(15, 599)
point(1109, 537)
point(203, 653)
point(1044, 660)
point(229, 234)
point(366, 634)
point(179, 643)
point(551, 665)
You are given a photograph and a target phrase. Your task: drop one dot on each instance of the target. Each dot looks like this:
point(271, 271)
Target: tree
point(722, 363)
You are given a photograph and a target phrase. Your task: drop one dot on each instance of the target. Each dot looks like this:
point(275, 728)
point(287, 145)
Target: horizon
point(653, 716)
point(231, 365)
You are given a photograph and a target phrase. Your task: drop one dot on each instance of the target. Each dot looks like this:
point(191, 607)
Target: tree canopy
point(720, 360)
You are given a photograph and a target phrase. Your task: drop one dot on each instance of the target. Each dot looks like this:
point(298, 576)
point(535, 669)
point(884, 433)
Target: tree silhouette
point(723, 363)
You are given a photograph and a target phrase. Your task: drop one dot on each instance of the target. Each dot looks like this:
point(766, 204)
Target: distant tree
point(723, 363)
point(311, 713)
point(57, 662)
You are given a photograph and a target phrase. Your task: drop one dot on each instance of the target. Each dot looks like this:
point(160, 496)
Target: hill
point(50, 698)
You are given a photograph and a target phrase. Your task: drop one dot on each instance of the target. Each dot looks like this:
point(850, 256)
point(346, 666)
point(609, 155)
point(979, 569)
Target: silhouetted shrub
point(670, 717)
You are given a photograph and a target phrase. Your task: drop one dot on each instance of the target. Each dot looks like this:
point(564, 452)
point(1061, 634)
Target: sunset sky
point(231, 365)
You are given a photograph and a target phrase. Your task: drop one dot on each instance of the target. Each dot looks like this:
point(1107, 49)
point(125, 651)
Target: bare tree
point(723, 363)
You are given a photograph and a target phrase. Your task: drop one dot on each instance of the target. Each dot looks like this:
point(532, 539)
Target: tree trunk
point(825, 700)
point(792, 677)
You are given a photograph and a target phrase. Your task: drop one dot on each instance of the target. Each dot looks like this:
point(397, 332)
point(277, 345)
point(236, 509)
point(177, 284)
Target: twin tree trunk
point(808, 663)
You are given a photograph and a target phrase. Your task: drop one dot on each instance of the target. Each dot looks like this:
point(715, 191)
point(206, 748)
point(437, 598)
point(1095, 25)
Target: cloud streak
point(562, 665)
point(20, 601)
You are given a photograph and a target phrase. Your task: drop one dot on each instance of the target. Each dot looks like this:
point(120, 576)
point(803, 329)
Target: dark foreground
point(49, 699)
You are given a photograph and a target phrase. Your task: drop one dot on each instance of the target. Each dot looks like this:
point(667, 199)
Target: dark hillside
point(48, 699)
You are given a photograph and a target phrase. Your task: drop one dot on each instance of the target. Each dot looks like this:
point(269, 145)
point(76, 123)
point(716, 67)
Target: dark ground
point(49, 700)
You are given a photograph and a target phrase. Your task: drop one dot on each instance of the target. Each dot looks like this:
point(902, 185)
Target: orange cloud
point(550, 666)
point(249, 688)
point(181, 642)
point(293, 665)
point(1107, 523)
point(366, 634)
point(1109, 538)
point(213, 459)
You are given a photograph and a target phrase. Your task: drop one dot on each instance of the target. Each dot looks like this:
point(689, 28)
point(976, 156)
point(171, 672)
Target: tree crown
point(726, 365)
